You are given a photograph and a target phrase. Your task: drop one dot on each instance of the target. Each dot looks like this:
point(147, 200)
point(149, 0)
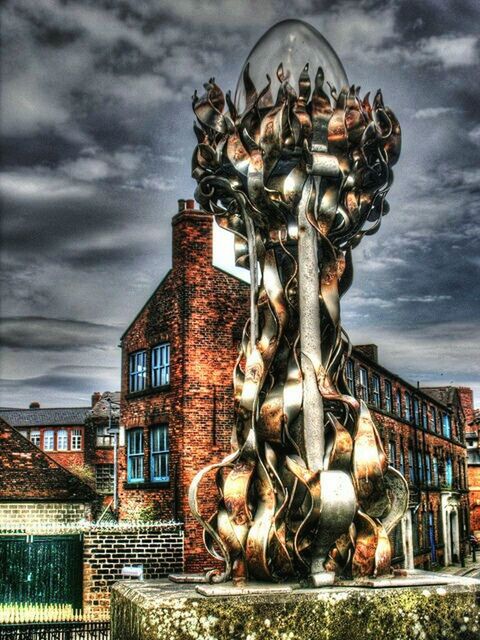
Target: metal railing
point(82, 630)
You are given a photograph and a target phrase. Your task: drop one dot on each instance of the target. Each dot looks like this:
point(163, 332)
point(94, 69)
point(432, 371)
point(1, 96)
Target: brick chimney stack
point(192, 237)
point(96, 397)
point(34, 405)
point(466, 399)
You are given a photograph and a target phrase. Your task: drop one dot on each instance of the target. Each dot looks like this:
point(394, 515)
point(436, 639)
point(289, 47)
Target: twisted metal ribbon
point(307, 490)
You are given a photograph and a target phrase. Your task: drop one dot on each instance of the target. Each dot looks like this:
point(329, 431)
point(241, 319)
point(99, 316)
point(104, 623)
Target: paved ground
point(471, 569)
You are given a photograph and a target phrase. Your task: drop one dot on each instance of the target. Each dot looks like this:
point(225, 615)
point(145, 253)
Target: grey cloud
point(54, 334)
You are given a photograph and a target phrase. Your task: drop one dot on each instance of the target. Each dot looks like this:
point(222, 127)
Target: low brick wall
point(158, 547)
point(25, 514)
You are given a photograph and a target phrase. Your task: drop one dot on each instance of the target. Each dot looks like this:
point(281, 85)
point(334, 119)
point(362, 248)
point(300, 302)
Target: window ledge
point(132, 395)
point(149, 486)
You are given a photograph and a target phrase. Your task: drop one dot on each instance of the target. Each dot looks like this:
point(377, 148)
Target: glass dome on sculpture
point(293, 44)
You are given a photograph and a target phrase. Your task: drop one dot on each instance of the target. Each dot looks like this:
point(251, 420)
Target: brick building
point(177, 361)
point(75, 437)
point(36, 489)
point(423, 433)
point(177, 408)
point(472, 436)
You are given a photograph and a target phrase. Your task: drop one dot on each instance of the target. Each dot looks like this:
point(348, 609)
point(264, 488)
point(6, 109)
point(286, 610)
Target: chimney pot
point(190, 204)
point(34, 405)
point(96, 397)
point(181, 205)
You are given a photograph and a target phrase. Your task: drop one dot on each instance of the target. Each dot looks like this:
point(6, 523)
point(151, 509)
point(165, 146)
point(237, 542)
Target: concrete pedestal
point(161, 610)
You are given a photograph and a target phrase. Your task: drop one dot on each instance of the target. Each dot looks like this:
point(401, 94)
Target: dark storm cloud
point(53, 334)
point(96, 119)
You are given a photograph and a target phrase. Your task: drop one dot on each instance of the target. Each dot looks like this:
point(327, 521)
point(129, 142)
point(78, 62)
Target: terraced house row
point(177, 407)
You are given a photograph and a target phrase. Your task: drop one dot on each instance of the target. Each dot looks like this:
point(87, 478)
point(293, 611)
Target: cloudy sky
point(97, 139)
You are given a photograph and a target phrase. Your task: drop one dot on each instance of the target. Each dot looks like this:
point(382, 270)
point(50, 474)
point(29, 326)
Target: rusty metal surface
point(299, 179)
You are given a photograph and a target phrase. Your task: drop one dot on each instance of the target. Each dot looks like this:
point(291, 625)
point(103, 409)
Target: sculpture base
point(159, 609)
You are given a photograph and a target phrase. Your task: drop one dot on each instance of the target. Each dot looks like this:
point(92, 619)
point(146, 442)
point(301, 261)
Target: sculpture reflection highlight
point(299, 175)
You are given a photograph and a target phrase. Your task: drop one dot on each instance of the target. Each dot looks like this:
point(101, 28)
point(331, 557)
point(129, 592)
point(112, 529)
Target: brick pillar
point(214, 308)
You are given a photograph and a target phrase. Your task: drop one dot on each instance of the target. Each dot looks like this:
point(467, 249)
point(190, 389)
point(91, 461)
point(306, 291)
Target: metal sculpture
point(300, 180)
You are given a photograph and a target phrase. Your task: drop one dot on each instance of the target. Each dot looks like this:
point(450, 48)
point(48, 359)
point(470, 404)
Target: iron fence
point(56, 631)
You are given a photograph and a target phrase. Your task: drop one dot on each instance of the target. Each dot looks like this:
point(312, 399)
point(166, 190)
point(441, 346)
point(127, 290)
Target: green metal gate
point(41, 569)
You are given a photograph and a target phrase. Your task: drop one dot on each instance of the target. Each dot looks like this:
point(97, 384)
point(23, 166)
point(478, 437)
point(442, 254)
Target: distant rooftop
point(44, 417)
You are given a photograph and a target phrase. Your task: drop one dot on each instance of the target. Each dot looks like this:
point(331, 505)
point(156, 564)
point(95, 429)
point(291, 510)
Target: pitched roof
point(27, 473)
point(101, 409)
point(44, 417)
point(445, 395)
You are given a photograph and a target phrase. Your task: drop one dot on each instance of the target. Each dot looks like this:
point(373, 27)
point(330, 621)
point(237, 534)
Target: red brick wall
point(474, 484)
point(106, 551)
point(466, 399)
point(200, 310)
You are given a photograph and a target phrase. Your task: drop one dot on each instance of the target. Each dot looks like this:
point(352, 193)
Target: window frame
point(62, 438)
point(388, 393)
point(363, 388)
point(77, 440)
point(376, 395)
point(35, 437)
point(47, 434)
point(416, 411)
point(161, 453)
point(350, 376)
point(398, 402)
point(136, 455)
point(424, 415)
point(158, 369)
point(392, 453)
point(136, 373)
point(408, 406)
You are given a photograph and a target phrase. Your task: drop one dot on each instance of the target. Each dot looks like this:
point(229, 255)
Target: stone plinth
point(160, 610)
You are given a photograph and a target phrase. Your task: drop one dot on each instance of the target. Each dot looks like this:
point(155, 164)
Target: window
point(376, 390)
point(424, 416)
point(49, 440)
point(138, 371)
point(392, 458)
point(159, 453)
point(104, 478)
point(161, 365)
point(398, 402)
point(448, 472)
point(428, 468)
point(402, 460)
point(35, 438)
point(388, 396)
point(433, 419)
point(446, 425)
point(411, 468)
point(408, 407)
point(77, 440)
point(363, 391)
point(62, 440)
point(135, 455)
point(104, 437)
point(420, 466)
point(416, 411)
point(435, 470)
point(349, 372)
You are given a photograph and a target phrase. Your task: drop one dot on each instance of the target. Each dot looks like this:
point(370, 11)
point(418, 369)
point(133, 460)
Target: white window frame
point(77, 440)
point(49, 440)
point(34, 437)
point(62, 440)
point(363, 386)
